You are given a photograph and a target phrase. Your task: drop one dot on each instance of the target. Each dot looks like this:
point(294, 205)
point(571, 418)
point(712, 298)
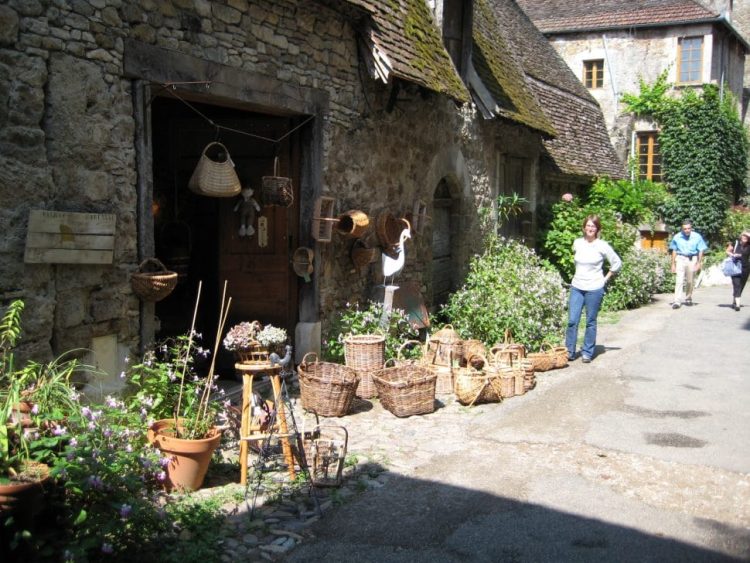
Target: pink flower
point(567, 197)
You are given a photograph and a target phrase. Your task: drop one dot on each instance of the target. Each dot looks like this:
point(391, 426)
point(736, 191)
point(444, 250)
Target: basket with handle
point(402, 361)
point(153, 285)
point(215, 176)
point(445, 347)
point(362, 255)
point(406, 389)
point(561, 356)
point(365, 353)
point(473, 348)
point(324, 448)
point(509, 344)
point(276, 190)
point(474, 387)
point(326, 388)
point(545, 359)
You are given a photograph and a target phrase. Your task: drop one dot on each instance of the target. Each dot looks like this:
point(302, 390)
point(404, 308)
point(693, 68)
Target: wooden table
point(249, 371)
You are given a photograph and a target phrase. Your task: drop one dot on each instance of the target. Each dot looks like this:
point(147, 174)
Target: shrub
point(355, 320)
point(638, 202)
point(737, 220)
point(643, 273)
point(508, 287)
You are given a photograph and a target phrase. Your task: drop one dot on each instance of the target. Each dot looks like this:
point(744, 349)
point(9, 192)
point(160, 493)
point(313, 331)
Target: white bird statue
point(393, 266)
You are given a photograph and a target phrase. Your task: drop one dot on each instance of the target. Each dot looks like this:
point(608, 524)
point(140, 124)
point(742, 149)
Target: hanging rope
point(171, 88)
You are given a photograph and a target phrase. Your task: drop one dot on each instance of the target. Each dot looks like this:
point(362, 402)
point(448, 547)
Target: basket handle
point(218, 144)
point(304, 358)
point(389, 360)
point(155, 261)
point(545, 347)
point(508, 337)
point(275, 165)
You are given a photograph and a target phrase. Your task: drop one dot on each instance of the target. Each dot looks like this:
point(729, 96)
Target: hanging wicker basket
point(153, 285)
point(354, 223)
point(277, 190)
point(388, 229)
point(362, 256)
point(215, 176)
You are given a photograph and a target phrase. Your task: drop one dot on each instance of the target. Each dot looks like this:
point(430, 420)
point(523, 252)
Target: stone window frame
point(593, 73)
point(651, 154)
point(682, 52)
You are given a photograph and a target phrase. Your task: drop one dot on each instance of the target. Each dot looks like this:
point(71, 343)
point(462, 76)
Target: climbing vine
point(704, 151)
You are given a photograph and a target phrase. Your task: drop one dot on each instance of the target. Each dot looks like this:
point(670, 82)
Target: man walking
point(687, 248)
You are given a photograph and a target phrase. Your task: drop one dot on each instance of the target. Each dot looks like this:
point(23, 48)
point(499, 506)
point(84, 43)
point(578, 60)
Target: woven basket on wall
point(276, 190)
point(154, 285)
point(215, 176)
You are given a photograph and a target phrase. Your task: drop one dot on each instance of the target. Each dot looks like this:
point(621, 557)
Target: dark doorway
point(199, 237)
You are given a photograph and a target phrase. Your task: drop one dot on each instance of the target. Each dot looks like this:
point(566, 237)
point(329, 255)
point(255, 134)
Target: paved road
point(642, 455)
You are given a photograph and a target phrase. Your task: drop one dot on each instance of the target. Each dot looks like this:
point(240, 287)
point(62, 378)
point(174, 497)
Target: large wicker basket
point(155, 285)
point(545, 359)
point(326, 388)
point(445, 347)
point(509, 344)
point(365, 353)
point(406, 390)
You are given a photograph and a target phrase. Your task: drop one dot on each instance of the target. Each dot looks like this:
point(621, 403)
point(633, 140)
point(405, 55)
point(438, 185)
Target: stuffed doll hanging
point(247, 206)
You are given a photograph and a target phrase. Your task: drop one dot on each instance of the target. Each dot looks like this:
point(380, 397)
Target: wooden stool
point(248, 373)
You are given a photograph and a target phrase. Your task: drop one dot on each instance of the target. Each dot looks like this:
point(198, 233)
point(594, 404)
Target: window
point(690, 59)
point(593, 73)
point(649, 158)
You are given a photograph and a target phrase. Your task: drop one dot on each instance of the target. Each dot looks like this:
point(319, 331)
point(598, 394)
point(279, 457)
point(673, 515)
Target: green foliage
point(567, 224)
point(643, 273)
point(650, 99)
point(737, 221)
point(353, 320)
point(637, 202)
point(704, 152)
point(508, 287)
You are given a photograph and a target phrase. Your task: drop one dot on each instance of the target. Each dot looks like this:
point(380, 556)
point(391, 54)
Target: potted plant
point(242, 340)
point(272, 338)
point(168, 385)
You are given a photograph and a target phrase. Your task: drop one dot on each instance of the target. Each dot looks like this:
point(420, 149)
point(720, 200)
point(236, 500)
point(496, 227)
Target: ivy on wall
point(703, 148)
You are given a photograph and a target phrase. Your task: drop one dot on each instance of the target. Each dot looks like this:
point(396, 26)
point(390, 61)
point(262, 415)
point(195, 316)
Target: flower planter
point(23, 497)
point(191, 458)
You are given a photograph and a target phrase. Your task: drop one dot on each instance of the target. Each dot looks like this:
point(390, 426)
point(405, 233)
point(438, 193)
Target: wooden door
point(442, 257)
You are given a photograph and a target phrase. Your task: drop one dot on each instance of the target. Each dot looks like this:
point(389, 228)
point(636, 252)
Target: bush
point(737, 220)
point(638, 202)
point(557, 241)
point(643, 273)
point(354, 320)
point(508, 287)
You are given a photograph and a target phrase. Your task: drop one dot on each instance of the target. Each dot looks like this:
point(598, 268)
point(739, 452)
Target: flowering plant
point(242, 336)
point(272, 336)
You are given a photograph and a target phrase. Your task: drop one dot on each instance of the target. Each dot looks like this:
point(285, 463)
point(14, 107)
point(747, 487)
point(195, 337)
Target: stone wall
point(68, 142)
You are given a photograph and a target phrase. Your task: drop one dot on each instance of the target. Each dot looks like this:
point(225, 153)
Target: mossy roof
point(405, 31)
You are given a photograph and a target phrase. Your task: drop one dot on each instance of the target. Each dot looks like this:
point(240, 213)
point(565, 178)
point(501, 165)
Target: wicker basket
point(406, 390)
point(362, 255)
point(365, 353)
point(543, 360)
point(529, 377)
point(561, 356)
point(388, 229)
point(474, 387)
point(325, 453)
point(472, 348)
point(354, 223)
point(509, 344)
point(445, 348)
point(277, 190)
point(215, 178)
point(326, 388)
point(155, 285)
point(255, 355)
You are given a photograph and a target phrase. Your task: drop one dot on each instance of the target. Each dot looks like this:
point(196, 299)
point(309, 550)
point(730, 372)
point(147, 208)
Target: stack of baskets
point(326, 388)
point(406, 389)
point(365, 353)
point(444, 354)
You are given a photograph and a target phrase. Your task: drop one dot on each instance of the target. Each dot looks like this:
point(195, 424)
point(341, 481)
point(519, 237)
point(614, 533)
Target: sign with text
point(60, 237)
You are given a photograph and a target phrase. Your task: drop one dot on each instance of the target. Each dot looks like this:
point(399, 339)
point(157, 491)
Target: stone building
point(419, 110)
point(612, 44)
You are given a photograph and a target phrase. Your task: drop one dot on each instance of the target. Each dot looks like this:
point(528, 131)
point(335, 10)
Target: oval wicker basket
point(326, 389)
point(545, 359)
point(155, 285)
point(474, 387)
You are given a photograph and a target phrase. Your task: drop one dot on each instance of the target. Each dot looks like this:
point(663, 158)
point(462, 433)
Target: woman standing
point(741, 251)
point(587, 286)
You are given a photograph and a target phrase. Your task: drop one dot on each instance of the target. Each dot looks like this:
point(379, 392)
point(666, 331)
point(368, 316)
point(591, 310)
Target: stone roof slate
point(555, 16)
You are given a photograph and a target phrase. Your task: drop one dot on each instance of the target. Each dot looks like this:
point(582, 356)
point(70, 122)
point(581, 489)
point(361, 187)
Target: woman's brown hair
point(595, 220)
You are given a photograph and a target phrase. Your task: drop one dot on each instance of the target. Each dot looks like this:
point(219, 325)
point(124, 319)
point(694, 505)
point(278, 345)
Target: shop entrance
point(200, 237)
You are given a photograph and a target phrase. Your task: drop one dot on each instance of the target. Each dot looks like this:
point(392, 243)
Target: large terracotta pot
point(23, 498)
point(191, 458)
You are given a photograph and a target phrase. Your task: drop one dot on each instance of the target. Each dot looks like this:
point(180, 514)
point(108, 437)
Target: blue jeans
point(579, 299)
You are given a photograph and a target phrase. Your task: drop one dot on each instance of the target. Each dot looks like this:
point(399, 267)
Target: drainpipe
point(634, 170)
point(609, 66)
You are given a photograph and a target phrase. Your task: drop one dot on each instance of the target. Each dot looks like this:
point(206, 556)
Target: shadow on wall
point(411, 520)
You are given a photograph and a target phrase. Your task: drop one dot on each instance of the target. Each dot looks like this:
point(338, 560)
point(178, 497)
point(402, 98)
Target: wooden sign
point(59, 237)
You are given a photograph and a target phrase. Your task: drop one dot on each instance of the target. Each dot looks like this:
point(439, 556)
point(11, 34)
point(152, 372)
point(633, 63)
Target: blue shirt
point(688, 246)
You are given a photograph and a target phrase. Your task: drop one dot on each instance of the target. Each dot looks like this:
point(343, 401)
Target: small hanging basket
point(361, 255)
point(389, 229)
point(215, 176)
point(302, 262)
point(153, 286)
point(354, 223)
point(277, 190)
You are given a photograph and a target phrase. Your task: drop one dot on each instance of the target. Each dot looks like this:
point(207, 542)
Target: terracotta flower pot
point(191, 458)
point(23, 497)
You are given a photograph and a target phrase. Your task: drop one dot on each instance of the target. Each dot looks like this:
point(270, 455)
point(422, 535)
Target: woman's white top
point(589, 258)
